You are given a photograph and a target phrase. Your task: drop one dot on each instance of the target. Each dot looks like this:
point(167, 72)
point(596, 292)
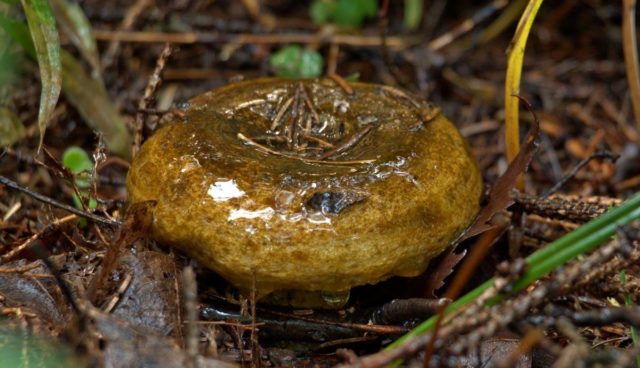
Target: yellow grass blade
point(514, 72)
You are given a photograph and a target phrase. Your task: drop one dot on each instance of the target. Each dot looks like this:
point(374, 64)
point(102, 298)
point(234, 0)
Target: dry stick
point(269, 138)
point(132, 14)
point(580, 165)
point(398, 42)
point(398, 93)
point(348, 143)
point(93, 217)
point(152, 86)
point(311, 108)
point(332, 58)
point(319, 141)
point(467, 25)
point(341, 82)
point(255, 347)
point(190, 305)
point(280, 114)
point(293, 118)
point(55, 224)
point(368, 328)
point(22, 269)
point(117, 297)
point(630, 48)
point(563, 207)
point(250, 142)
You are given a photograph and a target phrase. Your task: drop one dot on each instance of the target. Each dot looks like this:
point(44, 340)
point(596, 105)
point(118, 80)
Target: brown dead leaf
point(500, 196)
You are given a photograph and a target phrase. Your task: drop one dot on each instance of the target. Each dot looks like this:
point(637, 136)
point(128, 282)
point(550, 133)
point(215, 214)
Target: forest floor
point(52, 268)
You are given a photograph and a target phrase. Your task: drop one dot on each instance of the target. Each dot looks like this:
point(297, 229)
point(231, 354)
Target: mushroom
point(307, 185)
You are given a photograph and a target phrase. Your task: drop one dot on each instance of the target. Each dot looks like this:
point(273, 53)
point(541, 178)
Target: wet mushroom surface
point(307, 185)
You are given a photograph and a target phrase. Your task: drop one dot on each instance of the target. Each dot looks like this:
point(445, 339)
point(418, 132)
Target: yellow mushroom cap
point(300, 185)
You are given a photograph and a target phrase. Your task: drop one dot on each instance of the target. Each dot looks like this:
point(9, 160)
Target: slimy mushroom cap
point(306, 185)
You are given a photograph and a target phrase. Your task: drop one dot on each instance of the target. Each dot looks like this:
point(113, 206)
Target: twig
point(398, 42)
point(563, 208)
point(311, 108)
point(22, 269)
point(255, 346)
point(93, 217)
point(152, 86)
point(55, 224)
point(341, 82)
point(132, 14)
point(189, 297)
point(348, 143)
point(400, 310)
point(280, 114)
point(630, 47)
point(467, 25)
point(367, 328)
point(250, 142)
point(122, 288)
point(580, 165)
point(319, 141)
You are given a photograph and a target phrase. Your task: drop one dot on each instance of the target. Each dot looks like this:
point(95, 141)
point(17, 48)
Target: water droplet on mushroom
point(336, 299)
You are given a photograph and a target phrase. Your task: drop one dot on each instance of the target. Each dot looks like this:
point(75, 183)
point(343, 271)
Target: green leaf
point(19, 33)
point(369, 7)
point(294, 62)
point(19, 348)
point(76, 160)
point(47, 45)
point(322, 11)
point(311, 63)
point(11, 128)
point(76, 25)
point(413, 14)
point(580, 241)
point(86, 94)
point(11, 56)
point(351, 13)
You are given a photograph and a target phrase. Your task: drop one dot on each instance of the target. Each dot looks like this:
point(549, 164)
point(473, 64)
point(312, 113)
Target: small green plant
point(78, 162)
point(295, 62)
point(59, 70)
point(346, 13)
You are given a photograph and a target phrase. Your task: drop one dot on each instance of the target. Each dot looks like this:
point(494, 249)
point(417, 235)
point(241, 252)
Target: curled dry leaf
point(44, 34)
point(500, 197)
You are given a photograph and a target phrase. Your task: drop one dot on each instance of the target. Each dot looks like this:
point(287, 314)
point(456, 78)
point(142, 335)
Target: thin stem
point(630, 47)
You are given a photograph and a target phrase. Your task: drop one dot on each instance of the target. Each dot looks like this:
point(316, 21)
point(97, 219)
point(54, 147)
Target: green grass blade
point(540, 263)
point(44, 34)
point(86, 94)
